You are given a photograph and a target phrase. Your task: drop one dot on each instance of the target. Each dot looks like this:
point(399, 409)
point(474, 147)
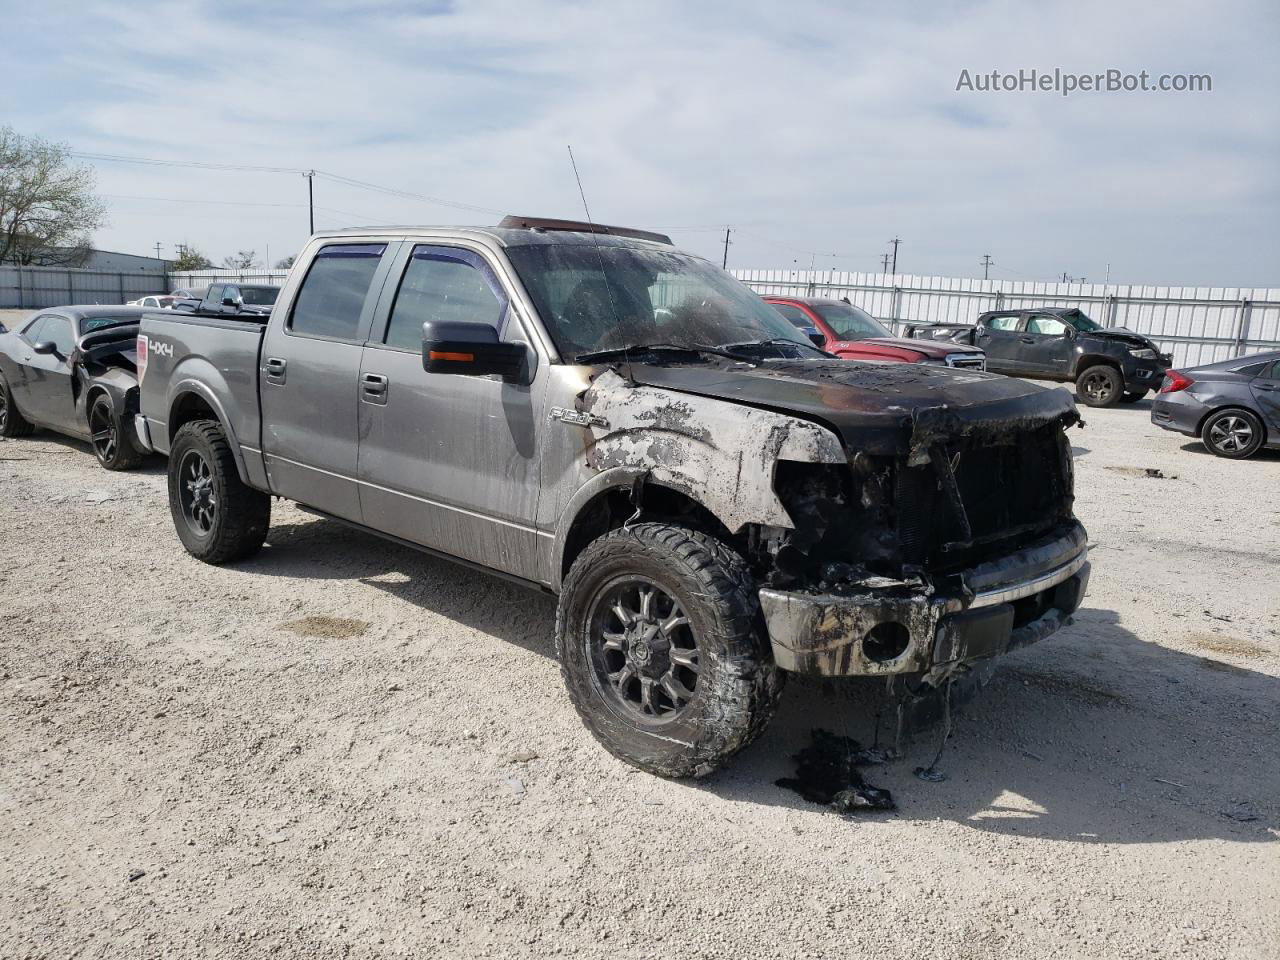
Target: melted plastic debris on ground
point(826, 773)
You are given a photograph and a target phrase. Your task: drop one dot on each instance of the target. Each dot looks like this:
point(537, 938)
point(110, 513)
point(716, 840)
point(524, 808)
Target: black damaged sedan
point(1233, 405)
point(74, 370)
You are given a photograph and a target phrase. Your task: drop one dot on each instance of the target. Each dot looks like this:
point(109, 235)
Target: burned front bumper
point(878, 626)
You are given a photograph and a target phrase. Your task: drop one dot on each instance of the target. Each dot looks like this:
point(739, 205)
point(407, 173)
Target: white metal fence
point(57, 286)
point(1197, 324)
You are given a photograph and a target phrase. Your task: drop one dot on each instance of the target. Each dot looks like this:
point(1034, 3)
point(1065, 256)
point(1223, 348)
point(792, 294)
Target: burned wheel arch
point(707, 462)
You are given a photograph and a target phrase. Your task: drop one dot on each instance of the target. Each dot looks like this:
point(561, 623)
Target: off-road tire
point(738, 684)
point(12, 422)
point(1218, 426)
point(120, 453)
point(1099, 386)
point(240, 516)
point(1133, 396)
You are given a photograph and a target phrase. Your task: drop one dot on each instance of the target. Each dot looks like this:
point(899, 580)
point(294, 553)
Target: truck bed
point(183, 356)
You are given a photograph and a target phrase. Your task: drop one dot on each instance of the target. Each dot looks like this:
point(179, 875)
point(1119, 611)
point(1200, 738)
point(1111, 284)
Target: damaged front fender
point(720, 454)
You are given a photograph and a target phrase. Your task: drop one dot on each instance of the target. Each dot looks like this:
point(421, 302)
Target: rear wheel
point(1234, 434)
point(112, 440)
point(218, 517)
point(663, 650)
point(1133, 396)
point(1099, 386)
point(12, 422)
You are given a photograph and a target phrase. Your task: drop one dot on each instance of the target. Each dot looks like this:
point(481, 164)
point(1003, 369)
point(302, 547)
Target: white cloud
point(811, 126)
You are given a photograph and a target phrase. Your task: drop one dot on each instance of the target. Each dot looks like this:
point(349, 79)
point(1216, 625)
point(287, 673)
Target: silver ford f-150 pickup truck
point(590, 411)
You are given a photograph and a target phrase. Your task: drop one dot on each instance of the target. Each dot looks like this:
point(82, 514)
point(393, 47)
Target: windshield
point(850, 322)
point(89, 324)
point(613, 296)
point(1081, 321)
point(259, 296)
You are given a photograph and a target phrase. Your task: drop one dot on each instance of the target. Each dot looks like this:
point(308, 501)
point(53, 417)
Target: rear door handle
point(373, 388)
point(275, 369)
point(1027, 339)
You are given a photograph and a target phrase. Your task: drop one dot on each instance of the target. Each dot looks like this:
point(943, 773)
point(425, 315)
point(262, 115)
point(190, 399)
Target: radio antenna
point(595, 240)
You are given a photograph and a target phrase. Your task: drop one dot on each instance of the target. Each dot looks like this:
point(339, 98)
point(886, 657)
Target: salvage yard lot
point(345, 748)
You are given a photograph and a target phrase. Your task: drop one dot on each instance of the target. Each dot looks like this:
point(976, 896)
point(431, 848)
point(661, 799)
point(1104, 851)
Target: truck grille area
point(980, 496)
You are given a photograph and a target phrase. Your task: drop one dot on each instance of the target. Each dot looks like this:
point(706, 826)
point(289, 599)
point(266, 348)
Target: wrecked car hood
point(1125, 335)
point(877, 408)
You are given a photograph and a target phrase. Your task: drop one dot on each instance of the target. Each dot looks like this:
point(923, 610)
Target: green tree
point(188, 259)
point(241, 260)
point(47, 206)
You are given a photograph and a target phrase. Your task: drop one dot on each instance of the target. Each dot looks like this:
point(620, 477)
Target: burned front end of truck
point(949, 544)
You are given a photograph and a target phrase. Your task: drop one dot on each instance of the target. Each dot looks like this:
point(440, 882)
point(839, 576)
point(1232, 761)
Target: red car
point(850, 332)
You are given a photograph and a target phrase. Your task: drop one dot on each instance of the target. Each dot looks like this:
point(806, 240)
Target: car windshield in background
point(89, 324)
point(1081, 321)
point(614, 296)
point(259, 296)
point(850, 322)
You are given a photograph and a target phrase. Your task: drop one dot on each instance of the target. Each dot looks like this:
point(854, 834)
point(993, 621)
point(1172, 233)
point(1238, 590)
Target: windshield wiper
point(773, 341)
point(597, 355)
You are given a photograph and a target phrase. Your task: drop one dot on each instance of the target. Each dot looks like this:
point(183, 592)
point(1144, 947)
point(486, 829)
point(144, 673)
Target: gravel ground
point(345, 748)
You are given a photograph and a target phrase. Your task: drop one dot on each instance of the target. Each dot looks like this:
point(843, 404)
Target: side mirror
point(228, 301)
point(472, 349)
point(46, 347)
point(1069, 333)
point(818, 339)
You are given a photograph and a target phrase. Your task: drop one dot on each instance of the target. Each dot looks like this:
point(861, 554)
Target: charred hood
point(891, 409)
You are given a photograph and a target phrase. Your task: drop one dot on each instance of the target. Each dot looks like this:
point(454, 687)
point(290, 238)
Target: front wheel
point(1099, 386)
point(1234, 434)
point(112, 440)
point(663, 651)
point(217, 515)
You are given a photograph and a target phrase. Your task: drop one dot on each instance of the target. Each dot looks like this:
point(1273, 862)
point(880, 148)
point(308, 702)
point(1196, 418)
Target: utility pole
point(311, 197)
point(725, 263)
point(158, 246)
point(884, 263)
point(895, 241)
point(986, 266)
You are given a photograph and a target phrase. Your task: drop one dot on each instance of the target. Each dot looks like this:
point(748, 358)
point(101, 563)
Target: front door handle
point(1266, 386)
point(275, 369)
point(1027, 339)
point(373, 388)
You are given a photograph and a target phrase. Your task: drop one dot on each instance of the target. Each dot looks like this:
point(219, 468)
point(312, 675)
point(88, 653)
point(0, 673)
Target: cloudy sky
point(818, 131)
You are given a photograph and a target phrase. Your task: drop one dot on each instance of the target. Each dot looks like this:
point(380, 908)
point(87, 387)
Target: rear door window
point(444, 284)
point(334, 290)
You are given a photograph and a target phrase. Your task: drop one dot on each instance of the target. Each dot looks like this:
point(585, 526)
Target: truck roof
point(524, 231)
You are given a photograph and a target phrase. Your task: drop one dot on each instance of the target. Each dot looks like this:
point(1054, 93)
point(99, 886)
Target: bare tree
point(47, 206)
point(242, 260)
point(189, 258)
point(284, 264)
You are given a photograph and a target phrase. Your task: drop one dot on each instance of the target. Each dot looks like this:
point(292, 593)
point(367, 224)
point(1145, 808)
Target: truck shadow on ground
point(1092, 736)
point(322, 549)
